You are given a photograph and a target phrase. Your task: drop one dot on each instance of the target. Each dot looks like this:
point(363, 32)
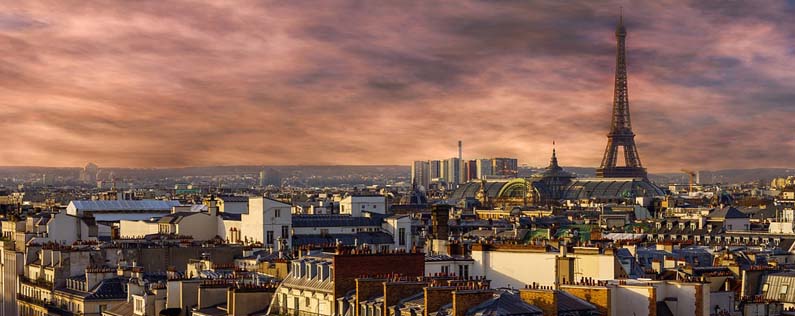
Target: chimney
point(564, 267)
point(367, 288)
point(543, 298)
point(212, 208)
point(464, 300)
point(460, 151)
point(436, 297)
point(395, 291)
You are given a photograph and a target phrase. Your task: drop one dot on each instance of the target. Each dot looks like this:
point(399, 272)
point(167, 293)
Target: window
point(139, 306)
point(784, 289)
point(463, 270)
point(308, 301)
point(269, 239)
point(277, 212)
point(445, 269)
point(401, 236)
point(285, 232)
point(765, 287)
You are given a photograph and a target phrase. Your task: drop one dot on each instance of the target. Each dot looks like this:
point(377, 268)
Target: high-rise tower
point(621, 135)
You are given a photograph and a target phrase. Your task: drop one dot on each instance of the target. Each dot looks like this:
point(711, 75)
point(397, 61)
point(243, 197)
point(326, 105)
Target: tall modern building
point(436, 169)
point(505, 167)
point(471, 170)
point(484, 169)
point(621, 139)
point(454, 172)
point(421, 173)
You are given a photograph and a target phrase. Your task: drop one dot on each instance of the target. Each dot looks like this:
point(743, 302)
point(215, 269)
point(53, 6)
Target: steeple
point(553, 162)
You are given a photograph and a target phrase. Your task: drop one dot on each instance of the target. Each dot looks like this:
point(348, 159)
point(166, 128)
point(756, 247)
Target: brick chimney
point(436, 297)
point(395, 291)
point(464, 300)
point(367, 288)
point(543, 298)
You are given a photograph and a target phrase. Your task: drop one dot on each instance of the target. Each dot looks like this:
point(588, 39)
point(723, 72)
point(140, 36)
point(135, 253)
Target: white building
point(60, 228)
point(449, 265)
point(730, 218)
point(785, 224)
point(267, 221)
point(354, 205)
point(399, 226)
point(308, 289)
point(232, 204)
point(116, 210)
point(515, 266)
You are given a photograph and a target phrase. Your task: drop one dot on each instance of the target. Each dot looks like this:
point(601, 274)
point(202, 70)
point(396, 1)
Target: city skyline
point(150, 84)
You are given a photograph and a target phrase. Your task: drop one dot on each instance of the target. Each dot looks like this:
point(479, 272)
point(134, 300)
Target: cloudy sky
point(172, 83)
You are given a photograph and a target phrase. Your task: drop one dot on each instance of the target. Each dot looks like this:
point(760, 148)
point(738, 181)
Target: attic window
point(765, 287)
point(784, 289)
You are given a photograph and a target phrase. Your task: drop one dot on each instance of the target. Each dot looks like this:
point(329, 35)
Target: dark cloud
point(180, 83)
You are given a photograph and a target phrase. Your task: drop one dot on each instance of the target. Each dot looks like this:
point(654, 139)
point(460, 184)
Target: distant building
point(435, 169)
point(505, 167)
point(270, 177)
point(89, 174)
point(483, 168)
point(268, 221)
point(354, 205)
point(455, 170)
point(421, 173)
point(470, 170)
point(116, 210)
point(232, 204)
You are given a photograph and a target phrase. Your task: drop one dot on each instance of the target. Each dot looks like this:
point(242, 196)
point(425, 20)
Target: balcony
point(42, 283)
point(293, 312)
point(52, 308)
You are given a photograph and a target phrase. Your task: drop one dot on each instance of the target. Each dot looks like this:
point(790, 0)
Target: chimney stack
point(460, 151)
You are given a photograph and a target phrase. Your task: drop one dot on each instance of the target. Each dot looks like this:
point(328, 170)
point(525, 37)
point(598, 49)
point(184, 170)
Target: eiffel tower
point(621, 135)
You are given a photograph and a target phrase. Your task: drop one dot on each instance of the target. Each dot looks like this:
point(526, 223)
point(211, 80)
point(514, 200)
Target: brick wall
point(464, 300)
point(543, 299)
point(366, 289)
point(598, 296)
point(348, 267)
point(436, 297)
point(396, 291)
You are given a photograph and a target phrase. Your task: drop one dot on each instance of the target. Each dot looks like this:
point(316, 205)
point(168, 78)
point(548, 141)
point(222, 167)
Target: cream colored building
point(267, 222)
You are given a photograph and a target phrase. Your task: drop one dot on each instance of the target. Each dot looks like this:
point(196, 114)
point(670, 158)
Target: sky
point(190, 83)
